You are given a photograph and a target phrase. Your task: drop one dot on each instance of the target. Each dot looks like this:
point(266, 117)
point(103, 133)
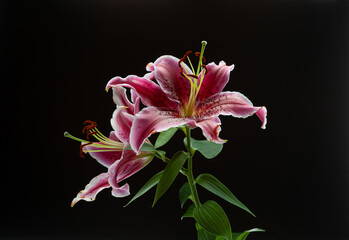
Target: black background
point(291, 56)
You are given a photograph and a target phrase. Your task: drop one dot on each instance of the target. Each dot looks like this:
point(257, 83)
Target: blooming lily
point(185, 96)
point(110, 151)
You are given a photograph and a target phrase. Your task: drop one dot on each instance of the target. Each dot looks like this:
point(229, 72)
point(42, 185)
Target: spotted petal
point(151, 120)
point(230, 103)
point(211, 129)
point(150, 93)
point(168, 75)
point(96, 185)
point(214, 80)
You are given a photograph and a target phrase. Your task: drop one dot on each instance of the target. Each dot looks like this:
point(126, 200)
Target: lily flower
point(184, 96)
point(110, 151)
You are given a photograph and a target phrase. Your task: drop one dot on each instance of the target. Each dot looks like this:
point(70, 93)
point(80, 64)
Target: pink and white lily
point(110, 151)
point(184, 97)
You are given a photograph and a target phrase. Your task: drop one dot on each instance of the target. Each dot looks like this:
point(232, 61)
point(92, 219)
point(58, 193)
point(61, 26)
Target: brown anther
point(88, 134)
point(81, 148)
point(183, 58)
point(90, 122)
point(192, 75)
point(204, 66)
point(88, 129)
point(198, 55)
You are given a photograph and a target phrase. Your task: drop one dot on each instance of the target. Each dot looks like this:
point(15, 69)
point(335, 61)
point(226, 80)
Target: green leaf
point(184, 193)
point(189, 212)
point(241, 235)
point(244, 235)
point(208, 149)
point(170, 173)
point(212, 218)
point(151, 183)
point(213, 185)
point(205, 235)
point(145, 148)
point(164, 137)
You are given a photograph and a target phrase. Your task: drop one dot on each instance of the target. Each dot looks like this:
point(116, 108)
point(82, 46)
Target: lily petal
point(168, 75)
point(136, 101)
point(121, 123)
point(230, 103)
point(214, 80)
point(121, 191)
point(120, 99)
point(262, 114)
point(151, 120)
point(96, 185)
point(149, 92)
point(129, 164)
point(211, 129)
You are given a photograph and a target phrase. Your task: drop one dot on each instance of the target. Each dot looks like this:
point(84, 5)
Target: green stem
point(190, 176)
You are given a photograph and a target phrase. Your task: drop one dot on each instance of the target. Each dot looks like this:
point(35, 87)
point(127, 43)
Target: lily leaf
point(213, 185)
point(189, 212)
point(164, 137)
point(145, 148)
point(184, 193)
point(205, 235)
point(151, 183)
point(243, 235)
point(170, 173)
point(208, 149)
point(213, 219)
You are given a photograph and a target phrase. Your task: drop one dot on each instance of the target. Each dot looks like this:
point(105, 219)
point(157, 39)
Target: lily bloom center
point(195, 79)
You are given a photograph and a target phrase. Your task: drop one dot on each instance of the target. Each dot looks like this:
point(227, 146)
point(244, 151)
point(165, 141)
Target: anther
point(88, 134)
point(183, 58)
point(204, 66)
point(198, 55)
point(88, 129)
point(81, 148)
point(192, 75)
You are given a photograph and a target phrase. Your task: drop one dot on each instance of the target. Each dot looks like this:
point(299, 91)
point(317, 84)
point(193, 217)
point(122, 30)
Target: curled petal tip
point(232, 67)
point(150, 67)
point(262, 114)
point(74, 202)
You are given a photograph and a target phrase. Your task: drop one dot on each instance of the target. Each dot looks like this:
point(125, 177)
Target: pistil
point(189, 108)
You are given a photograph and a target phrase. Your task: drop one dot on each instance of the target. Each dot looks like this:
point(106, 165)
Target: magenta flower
point(183, 96)
point(110, 151)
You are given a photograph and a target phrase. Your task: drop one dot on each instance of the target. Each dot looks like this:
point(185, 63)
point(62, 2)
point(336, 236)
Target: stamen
point(87, 129)
point(192, 75)
point(81, 148)
point(198, 55)
point(90, 122)
point(183, 58)
point(204, 66)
